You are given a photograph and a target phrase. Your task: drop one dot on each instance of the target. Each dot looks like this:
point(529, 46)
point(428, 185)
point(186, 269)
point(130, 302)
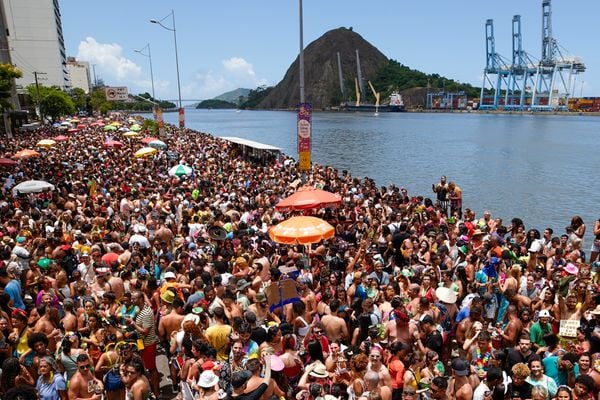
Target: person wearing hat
point(459, 386)
point(206, 386)
point(539, 329)
point(242, 286)
point(261, 310)
point(239, 381)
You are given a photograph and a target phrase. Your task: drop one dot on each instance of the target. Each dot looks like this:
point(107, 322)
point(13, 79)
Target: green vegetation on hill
point(218, 104)
point(395, 76)
point(256, 96)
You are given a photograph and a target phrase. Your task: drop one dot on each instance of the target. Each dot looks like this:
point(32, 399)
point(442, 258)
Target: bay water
point(541, 168)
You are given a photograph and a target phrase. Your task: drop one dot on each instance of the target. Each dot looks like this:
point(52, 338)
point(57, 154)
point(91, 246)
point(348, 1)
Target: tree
point(52, 101)
point(7, 74)
point(79, 98)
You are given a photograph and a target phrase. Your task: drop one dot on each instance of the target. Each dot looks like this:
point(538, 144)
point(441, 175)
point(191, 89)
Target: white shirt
point(479, 392)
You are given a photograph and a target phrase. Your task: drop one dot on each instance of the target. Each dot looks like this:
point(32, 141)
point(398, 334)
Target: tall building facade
point(35, 42)
point(79, 74)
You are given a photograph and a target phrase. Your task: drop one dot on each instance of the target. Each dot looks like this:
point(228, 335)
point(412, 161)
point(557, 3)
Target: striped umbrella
point(180, 170)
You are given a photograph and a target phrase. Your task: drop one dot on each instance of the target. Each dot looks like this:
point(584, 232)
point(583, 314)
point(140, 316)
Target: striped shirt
point(145, 319)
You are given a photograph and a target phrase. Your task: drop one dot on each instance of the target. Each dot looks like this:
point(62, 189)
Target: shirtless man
point(397, 329)
point(261, 310)
point(116, 285)
point(377, 366)
point(460, 387)
point(69, 321)
point(255, 381)
point(518, 300)
point(463, 331)
point(172, 321)
point(513, 329)
point(374, 386)
point(83, 380)
point(45, 325)
point(335, 327)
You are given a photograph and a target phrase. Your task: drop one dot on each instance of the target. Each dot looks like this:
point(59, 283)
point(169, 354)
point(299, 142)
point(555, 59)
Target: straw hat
point(319, 371)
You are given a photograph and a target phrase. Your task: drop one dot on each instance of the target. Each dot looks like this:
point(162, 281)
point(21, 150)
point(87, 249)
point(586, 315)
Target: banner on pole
point(181, 118)
point(304, 135)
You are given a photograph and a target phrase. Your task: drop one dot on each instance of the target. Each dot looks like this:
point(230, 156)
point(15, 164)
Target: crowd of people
point(412, 298)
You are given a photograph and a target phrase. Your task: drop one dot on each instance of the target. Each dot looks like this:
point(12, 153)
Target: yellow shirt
point(218, 337)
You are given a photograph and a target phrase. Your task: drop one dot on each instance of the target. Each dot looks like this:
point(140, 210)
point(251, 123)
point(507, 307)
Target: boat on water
point(395, 104)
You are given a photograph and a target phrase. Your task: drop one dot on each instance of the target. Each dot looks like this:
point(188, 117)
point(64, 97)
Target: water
point(541, 168)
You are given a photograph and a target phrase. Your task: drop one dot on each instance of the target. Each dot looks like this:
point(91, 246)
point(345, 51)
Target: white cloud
point(109, 59)
point(236, 73)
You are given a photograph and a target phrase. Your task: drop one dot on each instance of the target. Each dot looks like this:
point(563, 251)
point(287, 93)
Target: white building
point(36, 43)
point(79, 74)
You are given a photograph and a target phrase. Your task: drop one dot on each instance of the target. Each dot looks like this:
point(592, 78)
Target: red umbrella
point(73, 130)
point(148, 139)
point(80, 126)
point(7, 162)
point(308, 197)
point(61, 138)
point(112, 143)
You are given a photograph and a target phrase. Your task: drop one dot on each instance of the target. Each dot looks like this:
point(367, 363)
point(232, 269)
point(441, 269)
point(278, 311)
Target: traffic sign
point(116, 93)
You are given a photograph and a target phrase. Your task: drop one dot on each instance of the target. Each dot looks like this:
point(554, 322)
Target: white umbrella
point(180, 170)
point(32, 187)
point(158, 144)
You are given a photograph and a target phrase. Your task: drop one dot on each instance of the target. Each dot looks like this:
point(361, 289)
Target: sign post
point(181, 118)
point(304, 135)
point(117, 93)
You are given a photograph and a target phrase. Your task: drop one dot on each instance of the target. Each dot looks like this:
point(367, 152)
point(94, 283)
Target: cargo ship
point(395, 104)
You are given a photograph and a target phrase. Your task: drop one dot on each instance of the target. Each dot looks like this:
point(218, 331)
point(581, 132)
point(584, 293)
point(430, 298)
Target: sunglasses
point(84, 367)
point(318, 332)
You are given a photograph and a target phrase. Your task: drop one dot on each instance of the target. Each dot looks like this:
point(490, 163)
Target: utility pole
point(37, 89)
point(95, 79)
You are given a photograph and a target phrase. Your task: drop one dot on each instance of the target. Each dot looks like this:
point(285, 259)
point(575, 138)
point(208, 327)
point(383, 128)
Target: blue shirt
point(49, 391)
point(13, 290)
point(559, 376)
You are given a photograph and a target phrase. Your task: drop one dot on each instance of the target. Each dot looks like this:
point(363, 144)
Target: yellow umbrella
point(46, 142)
point(145, 152)
point(115, 123)
point(131, 134)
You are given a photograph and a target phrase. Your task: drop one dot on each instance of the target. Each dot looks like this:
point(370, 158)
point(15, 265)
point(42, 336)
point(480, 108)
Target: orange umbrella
point(308, 197)
point(301, 230)
point(61, 138)
point(27, 153)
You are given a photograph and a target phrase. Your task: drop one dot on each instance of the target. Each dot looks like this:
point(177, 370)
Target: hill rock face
point(321, 80)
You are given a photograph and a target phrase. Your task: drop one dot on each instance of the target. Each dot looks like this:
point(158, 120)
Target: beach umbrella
point(131, 134)
point(56, 124)
point(63, 128)
point(145, 152)
point(74, 120)
point(180, 170)
point(27, 153)
point(61, 138)
point(131, 121)
point(97, 123)
point(135, 128)
point(307, 198)
point(46, 143)
point(80, 126)
point(65, 123)
point(109, 128)
point(115, 123)
point(73, 130)
point(148, 139)
point(301, 230)
point(112, 143)
point(7, 162)
point(158, 144)
point(32, 187)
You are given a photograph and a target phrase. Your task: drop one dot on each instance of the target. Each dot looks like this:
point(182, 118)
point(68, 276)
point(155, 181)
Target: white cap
point(544, 314)
point(169, 275)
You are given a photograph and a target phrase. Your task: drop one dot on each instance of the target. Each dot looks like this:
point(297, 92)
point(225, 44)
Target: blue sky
point(228, 44)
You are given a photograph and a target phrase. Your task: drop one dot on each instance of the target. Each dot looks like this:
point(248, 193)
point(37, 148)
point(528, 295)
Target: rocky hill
point(321, 81)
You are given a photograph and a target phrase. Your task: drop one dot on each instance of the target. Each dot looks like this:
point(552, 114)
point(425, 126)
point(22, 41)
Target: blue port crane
point(495, 73)
point(522, 72)
point(555, 74)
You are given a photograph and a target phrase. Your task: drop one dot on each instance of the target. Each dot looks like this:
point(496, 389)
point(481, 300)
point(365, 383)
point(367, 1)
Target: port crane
point(545, 85)
point(495, 73)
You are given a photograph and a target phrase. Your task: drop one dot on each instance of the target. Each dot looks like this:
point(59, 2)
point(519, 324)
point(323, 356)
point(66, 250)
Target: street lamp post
point(174, 30)
point(149, 55)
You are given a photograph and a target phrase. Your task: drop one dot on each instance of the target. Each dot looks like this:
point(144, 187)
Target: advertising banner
point(304, 135)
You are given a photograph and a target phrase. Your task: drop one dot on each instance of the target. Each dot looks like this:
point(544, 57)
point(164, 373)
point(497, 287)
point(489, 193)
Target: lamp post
point(174, 30)
point(149, 55)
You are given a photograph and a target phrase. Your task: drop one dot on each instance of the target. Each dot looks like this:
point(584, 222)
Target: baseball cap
point(426, 319)
point(460, 367)
point(544, 314)
point(169, 275)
